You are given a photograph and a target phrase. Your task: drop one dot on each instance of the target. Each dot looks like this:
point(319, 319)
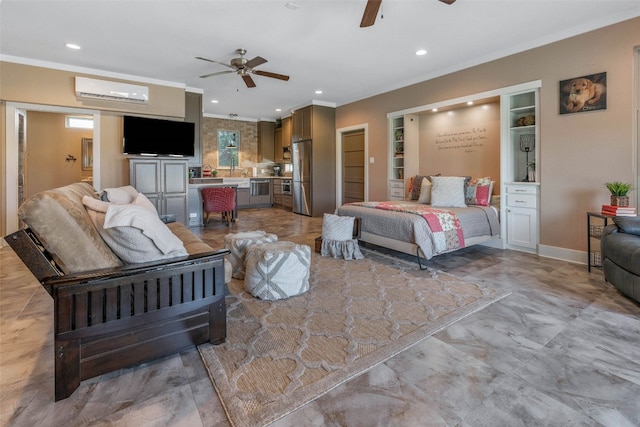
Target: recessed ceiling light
point(278, 109)
point(435, 110)
point(470, 103)
point(291, 5)
point(318, 92)
point(72, 46)
point(421, 52)
point(215, 101)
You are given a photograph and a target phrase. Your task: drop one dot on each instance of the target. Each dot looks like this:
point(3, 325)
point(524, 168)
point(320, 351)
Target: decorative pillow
point(628, 224)
point(425, 192)
point(415, 185)
point(134, 232)
point(335, 227)
point(478, 191)
point(126, 194)
point(448, 191)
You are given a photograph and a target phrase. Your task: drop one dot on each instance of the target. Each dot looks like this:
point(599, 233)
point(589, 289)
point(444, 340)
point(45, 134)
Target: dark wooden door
point(353, 166)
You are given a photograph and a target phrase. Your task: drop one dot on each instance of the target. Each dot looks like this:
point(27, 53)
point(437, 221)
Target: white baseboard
point(563, 254)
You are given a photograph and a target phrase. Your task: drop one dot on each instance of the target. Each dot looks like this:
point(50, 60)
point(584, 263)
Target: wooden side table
point(594, 258)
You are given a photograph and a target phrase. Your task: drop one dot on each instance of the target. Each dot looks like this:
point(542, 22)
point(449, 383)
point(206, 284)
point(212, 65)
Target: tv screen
point(144, 136)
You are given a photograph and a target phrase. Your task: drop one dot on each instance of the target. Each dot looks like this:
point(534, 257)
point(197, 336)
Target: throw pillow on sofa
point(134, 232)
point(629, 225)
point(125, 194)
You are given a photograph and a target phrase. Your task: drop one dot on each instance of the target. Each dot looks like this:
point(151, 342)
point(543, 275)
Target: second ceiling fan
point(243, 67)
point(371, 11)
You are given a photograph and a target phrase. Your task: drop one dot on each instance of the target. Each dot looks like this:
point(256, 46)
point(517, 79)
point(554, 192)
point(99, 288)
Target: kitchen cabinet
point(277, 146)
point(315, 154)
point(243, 200)
point(302, 124)
point(286, 133)
point(266, 135)
point(522, 216)
point(164, 182)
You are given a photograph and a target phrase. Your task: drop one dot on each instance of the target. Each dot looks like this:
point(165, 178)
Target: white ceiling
point(320, 45)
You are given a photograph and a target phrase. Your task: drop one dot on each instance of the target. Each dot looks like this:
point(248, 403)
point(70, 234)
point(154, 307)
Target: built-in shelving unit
point(397, 148)
point(403, 153)
point(520, 164)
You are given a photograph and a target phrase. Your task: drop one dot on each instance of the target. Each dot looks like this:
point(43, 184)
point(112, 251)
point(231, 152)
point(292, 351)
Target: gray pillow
point(628, 224)
point(335, 227)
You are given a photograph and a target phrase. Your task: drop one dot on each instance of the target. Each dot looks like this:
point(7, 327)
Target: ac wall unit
point(113, 91)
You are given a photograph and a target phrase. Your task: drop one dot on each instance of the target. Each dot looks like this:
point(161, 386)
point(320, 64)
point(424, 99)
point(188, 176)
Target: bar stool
point(219, 200)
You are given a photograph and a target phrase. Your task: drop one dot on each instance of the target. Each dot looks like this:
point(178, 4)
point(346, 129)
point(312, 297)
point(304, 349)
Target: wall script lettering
point(467, 140)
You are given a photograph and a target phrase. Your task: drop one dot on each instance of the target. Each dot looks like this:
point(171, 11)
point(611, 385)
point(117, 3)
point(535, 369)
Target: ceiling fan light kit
point(243, 67)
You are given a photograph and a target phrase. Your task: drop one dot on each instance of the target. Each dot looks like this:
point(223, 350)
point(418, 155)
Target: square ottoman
point(277, 270)
point(237, 243)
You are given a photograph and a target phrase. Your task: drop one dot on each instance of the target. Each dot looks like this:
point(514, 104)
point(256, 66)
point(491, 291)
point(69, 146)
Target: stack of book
point(619, 210)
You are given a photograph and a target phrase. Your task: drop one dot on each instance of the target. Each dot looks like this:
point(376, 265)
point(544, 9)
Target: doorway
point(16, 134)
point(353, 166)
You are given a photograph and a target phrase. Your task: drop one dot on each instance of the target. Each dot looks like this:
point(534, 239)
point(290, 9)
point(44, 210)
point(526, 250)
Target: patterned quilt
point(444, 223)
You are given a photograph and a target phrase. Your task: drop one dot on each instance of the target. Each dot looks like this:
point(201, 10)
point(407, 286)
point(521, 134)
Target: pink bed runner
point(444, 223)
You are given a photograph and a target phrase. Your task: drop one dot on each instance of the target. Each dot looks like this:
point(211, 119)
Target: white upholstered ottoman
point(237, 243)
point(277, 270)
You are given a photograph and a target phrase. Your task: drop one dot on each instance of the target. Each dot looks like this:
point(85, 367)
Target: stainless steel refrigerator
point(302, 174)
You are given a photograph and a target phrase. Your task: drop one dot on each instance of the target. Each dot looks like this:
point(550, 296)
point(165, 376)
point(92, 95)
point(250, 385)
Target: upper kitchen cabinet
point(266, 139)
point(277, 145)
point(302, 124)
point(193, 114)
point(286, 132)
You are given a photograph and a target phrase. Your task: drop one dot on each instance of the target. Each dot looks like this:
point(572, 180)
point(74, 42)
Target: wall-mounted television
point(156, 137)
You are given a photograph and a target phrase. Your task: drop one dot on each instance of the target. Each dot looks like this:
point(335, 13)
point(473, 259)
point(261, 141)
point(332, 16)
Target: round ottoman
point(277, 270)
point(237, 243)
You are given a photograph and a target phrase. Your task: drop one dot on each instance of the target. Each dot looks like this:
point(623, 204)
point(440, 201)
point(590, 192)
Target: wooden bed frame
point(109, 319)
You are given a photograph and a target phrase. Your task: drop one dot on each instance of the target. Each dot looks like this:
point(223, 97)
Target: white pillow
point(448, 191)
point(335, 227)
point(134, 232)
point(126, 194)
point(425, 191)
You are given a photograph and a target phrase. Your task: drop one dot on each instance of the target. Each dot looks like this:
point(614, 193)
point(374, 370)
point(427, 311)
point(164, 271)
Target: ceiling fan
point(243, 67)
point(371, 11)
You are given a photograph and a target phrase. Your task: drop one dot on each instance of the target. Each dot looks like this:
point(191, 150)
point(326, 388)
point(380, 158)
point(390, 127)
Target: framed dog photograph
point(586, 93)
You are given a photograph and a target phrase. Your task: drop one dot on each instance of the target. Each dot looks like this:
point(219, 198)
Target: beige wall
point(38, 85)
point(49, 143)
point(465, 141)
point(579, 152)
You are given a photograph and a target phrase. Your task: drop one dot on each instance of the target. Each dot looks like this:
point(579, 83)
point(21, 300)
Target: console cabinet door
point(164, 183)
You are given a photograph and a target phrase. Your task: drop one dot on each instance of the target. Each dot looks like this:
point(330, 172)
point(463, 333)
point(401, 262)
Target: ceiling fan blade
point(272, 75)
point(255, 62)
point(248, 81)
point(215, 74)
point(448, 1)
point(214, 61)
point(370, 13)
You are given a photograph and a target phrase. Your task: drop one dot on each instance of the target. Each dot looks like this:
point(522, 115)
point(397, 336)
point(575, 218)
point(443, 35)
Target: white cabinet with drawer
point(522, 217)
point(396, 190)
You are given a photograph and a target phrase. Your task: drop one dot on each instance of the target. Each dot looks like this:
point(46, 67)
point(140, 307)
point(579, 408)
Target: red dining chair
point(219, 200)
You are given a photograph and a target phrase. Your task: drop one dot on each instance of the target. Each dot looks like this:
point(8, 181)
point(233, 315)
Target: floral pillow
point(478, 191)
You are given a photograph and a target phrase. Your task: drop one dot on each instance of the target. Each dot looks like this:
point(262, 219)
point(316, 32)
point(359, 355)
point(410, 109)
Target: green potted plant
point(619, 192)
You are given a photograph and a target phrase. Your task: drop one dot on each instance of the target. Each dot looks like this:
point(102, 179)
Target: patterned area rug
point(281, 355)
